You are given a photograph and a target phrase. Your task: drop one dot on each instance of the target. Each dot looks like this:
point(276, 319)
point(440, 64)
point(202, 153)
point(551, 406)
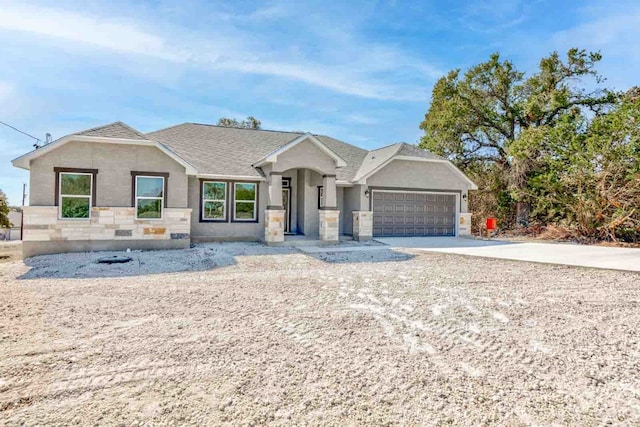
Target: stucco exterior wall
point(293, 175)
point(354, 200)
point(113, 181)
point(300, 201)
point(349, 205)
point(211, 231)
point(421, 176)
point(305, 155)
point(340, 206)
point(310, 206)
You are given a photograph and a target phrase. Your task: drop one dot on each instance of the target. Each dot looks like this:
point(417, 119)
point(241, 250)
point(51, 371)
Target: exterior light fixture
point(366, 193)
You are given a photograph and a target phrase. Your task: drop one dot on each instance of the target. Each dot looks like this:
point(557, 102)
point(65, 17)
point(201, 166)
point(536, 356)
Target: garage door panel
point(413, 214)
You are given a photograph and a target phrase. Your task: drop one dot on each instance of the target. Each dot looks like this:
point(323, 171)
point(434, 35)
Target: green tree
point(590, 179)
point(4, 211)
point(481, 119)
point(249, 123)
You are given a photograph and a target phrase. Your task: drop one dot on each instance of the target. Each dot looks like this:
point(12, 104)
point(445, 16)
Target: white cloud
point(119, 36)
point(361, 119)
point(615, 32)
point(369, 71)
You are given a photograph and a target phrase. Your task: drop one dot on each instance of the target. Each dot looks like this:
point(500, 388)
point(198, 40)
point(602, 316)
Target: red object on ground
point(492, 223)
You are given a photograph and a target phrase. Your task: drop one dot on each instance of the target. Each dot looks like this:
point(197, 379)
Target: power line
point(18, 130)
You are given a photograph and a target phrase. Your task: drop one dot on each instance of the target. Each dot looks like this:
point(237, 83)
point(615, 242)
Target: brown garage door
point(413, 214)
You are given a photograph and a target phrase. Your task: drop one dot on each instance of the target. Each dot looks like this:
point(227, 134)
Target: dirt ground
point(252, 335)
point(10, 251)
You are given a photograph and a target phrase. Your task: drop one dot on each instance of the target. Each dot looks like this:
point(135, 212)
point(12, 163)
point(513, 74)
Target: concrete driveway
point(552, 253)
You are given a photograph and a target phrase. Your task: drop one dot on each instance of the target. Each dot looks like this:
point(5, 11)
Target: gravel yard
point(244, 334)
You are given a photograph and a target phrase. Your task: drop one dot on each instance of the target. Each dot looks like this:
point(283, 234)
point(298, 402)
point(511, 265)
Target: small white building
point(12, 233)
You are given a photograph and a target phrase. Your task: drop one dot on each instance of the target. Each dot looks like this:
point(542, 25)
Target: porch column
point(464, 221)
point(362, 225)
point(274, 214)
point(329, 213)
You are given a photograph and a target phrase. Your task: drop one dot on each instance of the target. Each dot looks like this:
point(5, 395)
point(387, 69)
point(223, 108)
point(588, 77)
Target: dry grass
point(554, 233)
point(10, 251)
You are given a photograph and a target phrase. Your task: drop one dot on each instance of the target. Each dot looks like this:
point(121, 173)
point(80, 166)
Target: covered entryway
point(318, 164)
point(413, 213)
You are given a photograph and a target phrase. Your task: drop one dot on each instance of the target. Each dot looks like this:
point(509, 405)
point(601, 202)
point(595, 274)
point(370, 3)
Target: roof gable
point(113, 130)
point(374, 159)
point(113, 133)
point(411, 150)
point(378, 159)
point(273, 155)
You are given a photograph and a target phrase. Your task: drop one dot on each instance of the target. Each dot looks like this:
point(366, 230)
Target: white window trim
point(135, 192)
point(75, 196)
point(254, 201)
point(224, 201)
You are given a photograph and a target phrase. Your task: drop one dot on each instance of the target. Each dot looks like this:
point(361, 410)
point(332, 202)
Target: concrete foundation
point(31, 248)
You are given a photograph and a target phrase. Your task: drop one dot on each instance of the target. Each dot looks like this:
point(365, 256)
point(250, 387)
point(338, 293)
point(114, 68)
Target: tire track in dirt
point(436, 335)
point(84, 380)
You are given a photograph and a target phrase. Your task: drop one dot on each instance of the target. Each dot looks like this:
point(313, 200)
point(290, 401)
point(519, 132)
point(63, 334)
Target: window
point(214, 201)
point(244, 201)
point(149, 196)
point(75, 194)
point(320, 196)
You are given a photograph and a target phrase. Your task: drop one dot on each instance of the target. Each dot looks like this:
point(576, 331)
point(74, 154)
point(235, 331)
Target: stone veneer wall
point(464, 224)
point(274, 225)
point(329, 225)
point(362, 225)
point(43, 229)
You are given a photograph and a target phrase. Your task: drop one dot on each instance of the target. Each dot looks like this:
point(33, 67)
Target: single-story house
point(113, 187)
point(13, 232)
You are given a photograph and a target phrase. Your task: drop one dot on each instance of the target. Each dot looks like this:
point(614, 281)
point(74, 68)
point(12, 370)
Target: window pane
point(214, 190)
point(245, 192)
point(214, 210)
point(75, 184)
point(149, 187)
point(149, 208)
point(74, 207)
point(244, 210)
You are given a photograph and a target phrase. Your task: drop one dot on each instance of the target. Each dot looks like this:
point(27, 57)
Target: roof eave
point(24, 161)
point(472, 185)
point(272, 157)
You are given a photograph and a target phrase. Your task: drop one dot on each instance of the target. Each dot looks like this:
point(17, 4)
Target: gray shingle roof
point(412, 150)
point(113, 130)
point(376, 158)
point(222, 150)
point(231, 151)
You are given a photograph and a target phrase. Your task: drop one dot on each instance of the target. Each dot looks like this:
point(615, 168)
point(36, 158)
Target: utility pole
point(24, 198)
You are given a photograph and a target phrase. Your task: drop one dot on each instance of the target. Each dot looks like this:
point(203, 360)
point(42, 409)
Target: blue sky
point(360, 71)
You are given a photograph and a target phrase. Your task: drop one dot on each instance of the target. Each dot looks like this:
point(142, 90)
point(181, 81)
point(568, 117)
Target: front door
point(286, 202)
